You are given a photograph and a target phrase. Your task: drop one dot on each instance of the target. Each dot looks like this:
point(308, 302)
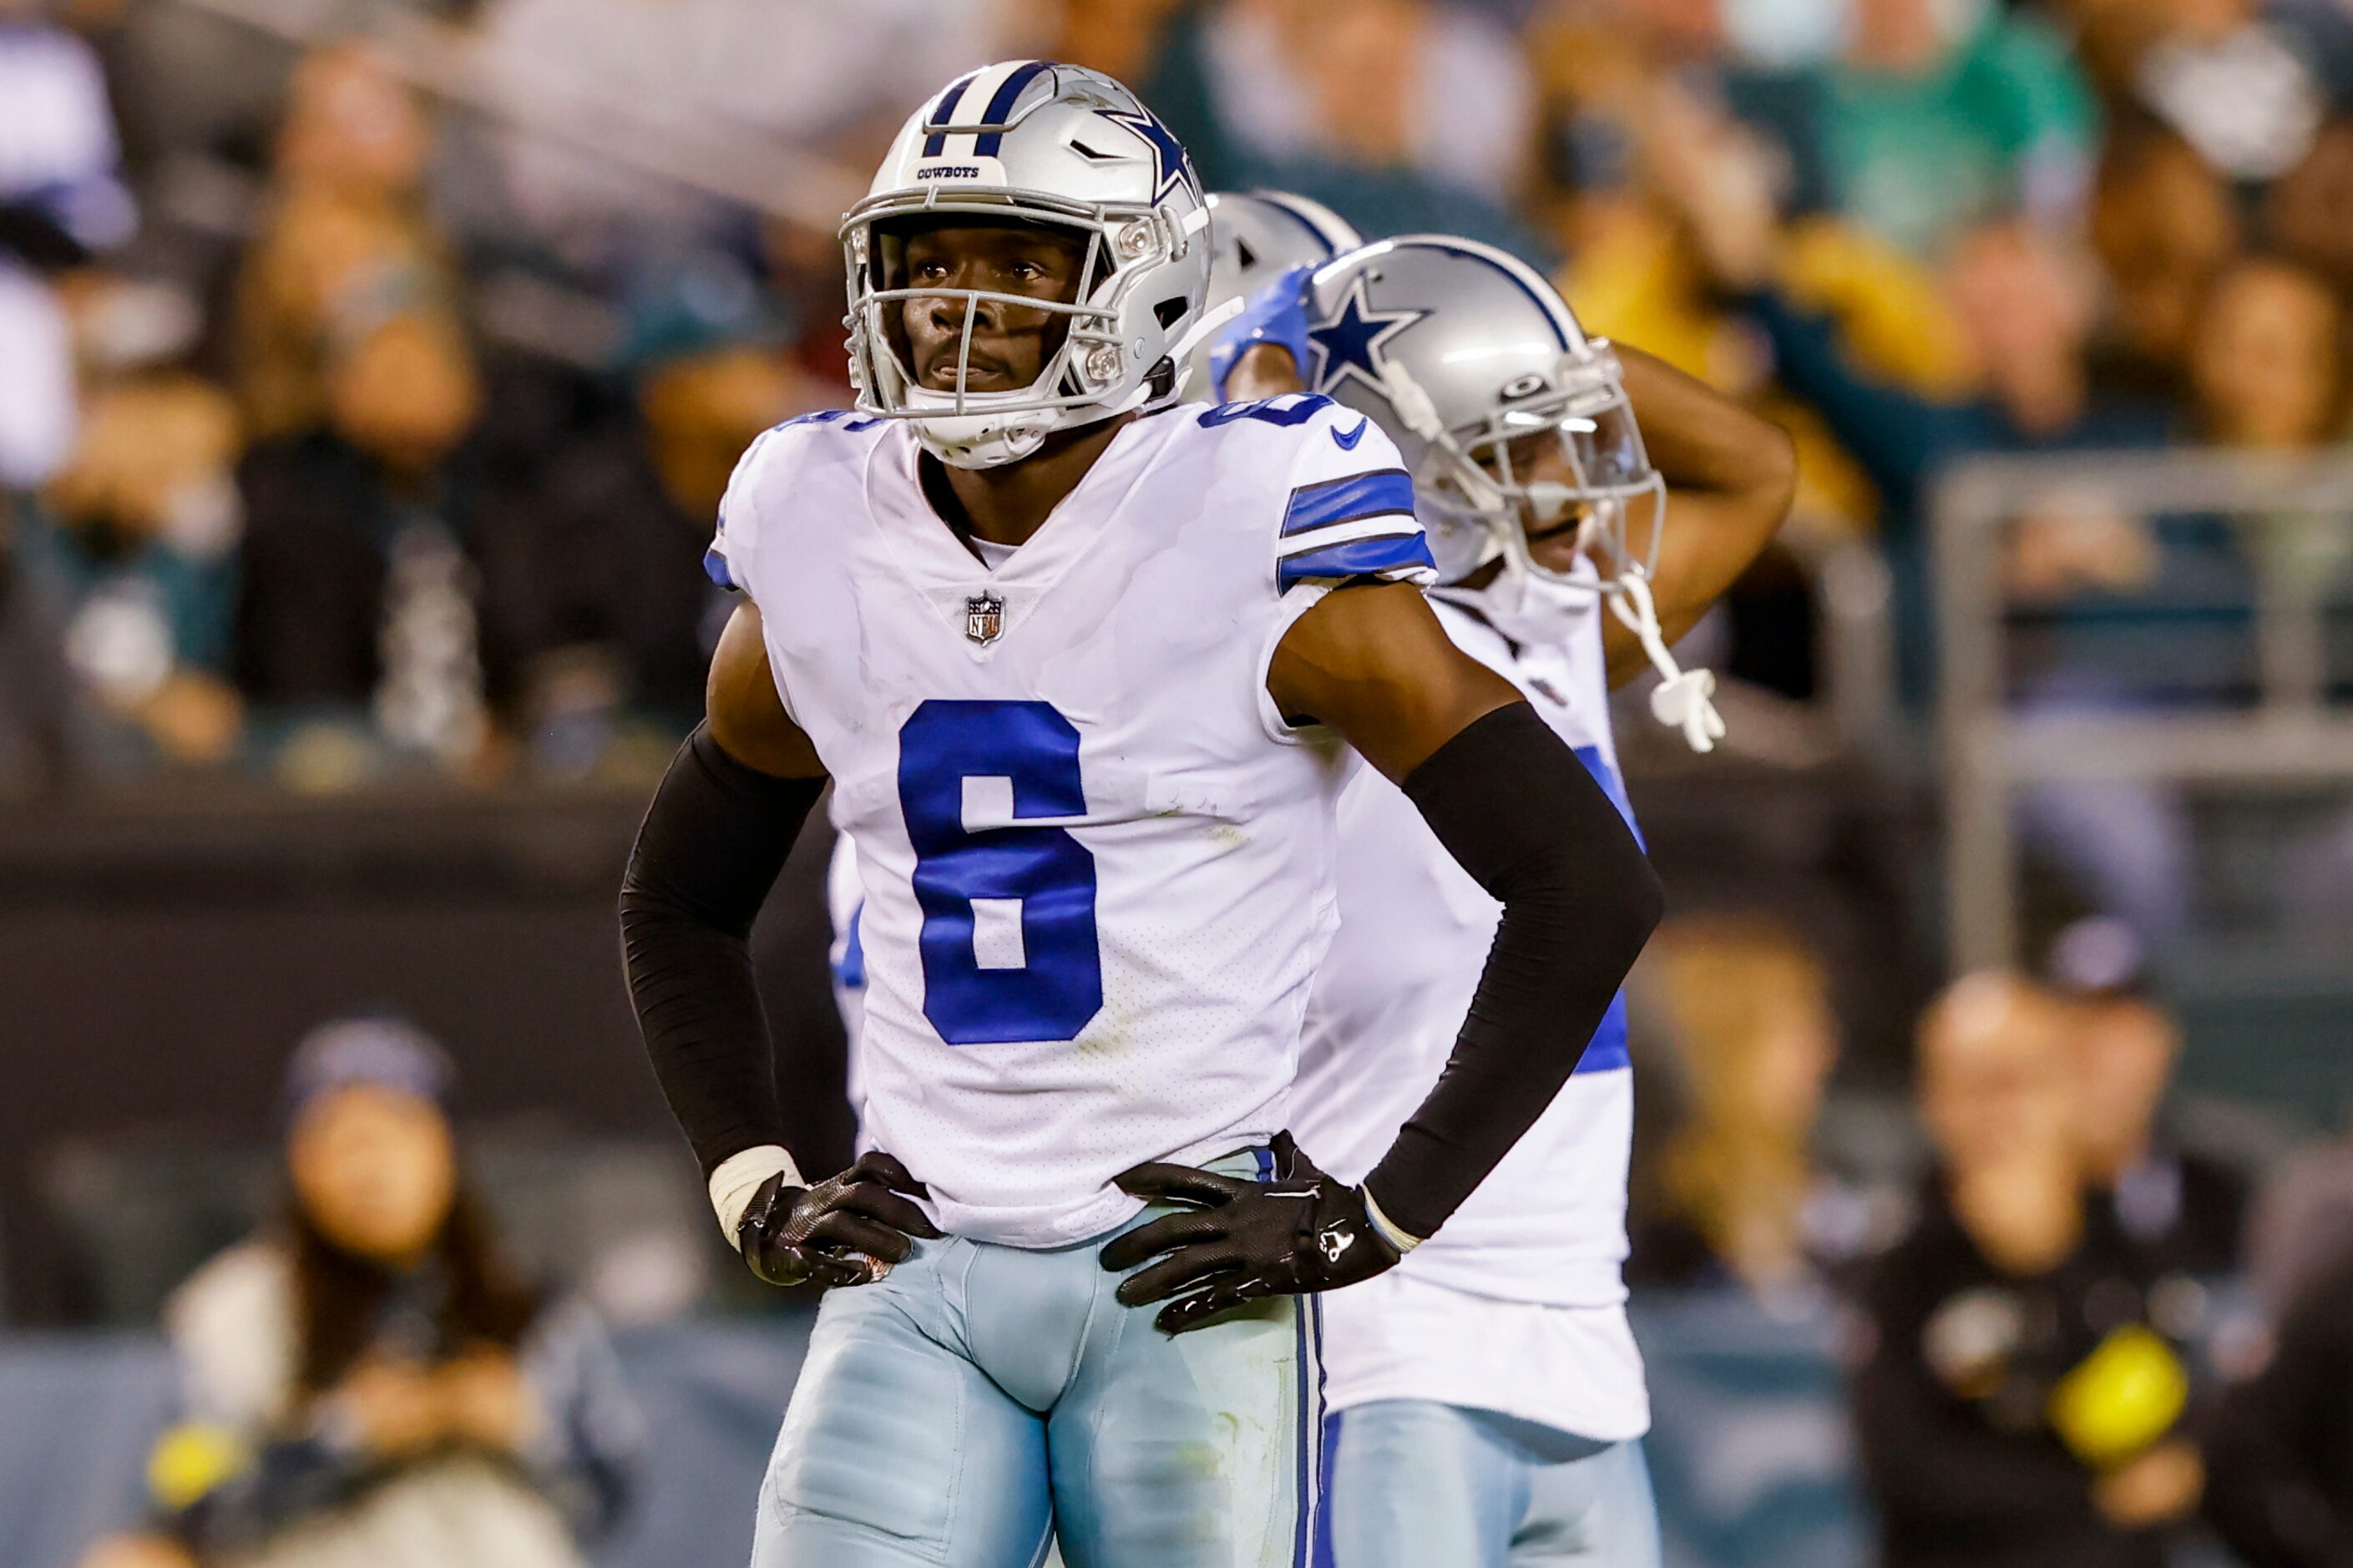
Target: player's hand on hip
point(1236, 1241)
point(846, 1230)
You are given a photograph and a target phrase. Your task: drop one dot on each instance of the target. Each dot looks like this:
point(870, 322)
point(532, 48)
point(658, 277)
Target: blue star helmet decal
point(1170, 165)
point(1349, 343)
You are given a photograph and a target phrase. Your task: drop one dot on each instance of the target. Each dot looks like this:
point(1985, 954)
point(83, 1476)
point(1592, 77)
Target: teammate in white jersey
point(1487, 1396)
point(1078, 663)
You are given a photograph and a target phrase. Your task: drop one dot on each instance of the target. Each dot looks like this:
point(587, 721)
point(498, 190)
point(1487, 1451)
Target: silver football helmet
point(1468, 358)
point(1254, 237)
point(1465, 356)
point(1043, 143)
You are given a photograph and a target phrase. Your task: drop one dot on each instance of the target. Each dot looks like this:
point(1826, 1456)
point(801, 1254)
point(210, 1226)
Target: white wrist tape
point(739, 1178)
point(1400, 1239)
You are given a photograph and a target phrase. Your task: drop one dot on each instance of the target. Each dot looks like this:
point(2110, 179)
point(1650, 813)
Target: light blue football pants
point(977, 1397)
point(1414, 1483)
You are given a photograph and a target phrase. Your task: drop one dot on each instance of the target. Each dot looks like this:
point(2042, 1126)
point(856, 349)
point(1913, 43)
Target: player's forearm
point(1730, 477)
point(1702, 442)
point(711, 844)
point(1511, 802)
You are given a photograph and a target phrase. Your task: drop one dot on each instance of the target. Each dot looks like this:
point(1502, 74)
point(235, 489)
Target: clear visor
point(1578, 467)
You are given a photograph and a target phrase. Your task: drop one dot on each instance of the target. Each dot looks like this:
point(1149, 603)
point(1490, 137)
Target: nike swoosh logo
point(1348, 443)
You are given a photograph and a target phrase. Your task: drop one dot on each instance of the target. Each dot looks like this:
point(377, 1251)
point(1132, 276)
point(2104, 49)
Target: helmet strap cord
point(1684, 698)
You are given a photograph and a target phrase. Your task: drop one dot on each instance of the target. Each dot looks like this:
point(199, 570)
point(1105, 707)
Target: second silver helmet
point(1254, 237)
point(1466, 356)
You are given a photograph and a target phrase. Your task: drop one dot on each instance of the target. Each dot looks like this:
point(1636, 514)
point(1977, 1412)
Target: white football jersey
point(1517, 1304)
point(1549, 1224)
point(1096, 862)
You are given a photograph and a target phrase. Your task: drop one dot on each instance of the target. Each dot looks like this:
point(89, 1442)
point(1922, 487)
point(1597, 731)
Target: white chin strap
point(1683, 699)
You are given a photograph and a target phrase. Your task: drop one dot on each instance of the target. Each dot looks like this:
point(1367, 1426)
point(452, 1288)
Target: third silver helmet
point(1461, 353)
point(1254, 237)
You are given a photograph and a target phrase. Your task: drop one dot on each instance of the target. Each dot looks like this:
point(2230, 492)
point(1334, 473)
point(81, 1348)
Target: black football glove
point(1239, 1240)
point(846, 1230)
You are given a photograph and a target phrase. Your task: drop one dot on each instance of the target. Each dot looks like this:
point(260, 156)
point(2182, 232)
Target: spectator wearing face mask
point(2019, 1401)
point(368, 1383)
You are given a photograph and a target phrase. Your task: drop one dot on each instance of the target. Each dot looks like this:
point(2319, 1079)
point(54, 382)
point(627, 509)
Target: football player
point(1078, 662)
point(1487, 1394)
point(1255, 237)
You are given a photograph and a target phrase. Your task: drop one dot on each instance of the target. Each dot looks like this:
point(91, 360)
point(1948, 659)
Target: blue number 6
point(1037, 881)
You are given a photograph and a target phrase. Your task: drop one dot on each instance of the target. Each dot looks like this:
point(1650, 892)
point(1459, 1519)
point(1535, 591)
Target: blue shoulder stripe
point(1347, 500)
point(715, 567)
point(1358, 558)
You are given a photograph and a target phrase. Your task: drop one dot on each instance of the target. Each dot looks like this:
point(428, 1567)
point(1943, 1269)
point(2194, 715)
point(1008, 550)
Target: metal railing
point(2290, 735)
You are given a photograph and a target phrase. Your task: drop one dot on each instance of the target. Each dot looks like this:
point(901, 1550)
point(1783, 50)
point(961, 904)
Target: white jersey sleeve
point(728, 562)
point(1348, 514)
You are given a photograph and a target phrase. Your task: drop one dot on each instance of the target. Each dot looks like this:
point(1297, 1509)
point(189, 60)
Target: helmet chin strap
point(1420, 414)
point(1683, 699)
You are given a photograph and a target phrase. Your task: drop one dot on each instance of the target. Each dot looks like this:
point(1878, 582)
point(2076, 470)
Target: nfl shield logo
point(984, 618)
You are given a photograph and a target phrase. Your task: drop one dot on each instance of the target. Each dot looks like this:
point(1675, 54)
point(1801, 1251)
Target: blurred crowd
point(2074, 1336)
point(370, 373)
point(370, 1379)
point(370, 380)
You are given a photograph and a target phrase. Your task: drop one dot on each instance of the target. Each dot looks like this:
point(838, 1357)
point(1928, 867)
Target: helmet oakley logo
point(984, 618)
point(1350, 343)
point(1527, 385)
point(1335, 1240)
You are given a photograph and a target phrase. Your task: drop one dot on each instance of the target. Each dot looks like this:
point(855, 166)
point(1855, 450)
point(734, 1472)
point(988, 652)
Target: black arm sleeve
point(709, 849)
point(1511, 803)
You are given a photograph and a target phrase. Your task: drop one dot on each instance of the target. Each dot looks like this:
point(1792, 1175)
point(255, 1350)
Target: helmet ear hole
point(1170, 312)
